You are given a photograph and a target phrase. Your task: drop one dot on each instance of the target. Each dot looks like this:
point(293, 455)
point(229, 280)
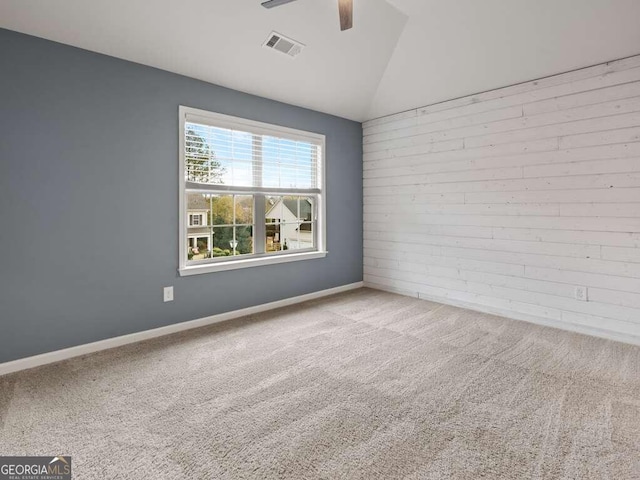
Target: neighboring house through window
point(199, 241)
point(289, 223)
point(250, 193)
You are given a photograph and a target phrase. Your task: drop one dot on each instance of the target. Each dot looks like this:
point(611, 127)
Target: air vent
point(283, 44)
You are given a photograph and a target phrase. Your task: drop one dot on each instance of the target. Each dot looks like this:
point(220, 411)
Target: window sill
point(247, 263)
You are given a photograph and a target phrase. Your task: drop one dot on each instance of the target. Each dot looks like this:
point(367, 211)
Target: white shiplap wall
point(508, 200)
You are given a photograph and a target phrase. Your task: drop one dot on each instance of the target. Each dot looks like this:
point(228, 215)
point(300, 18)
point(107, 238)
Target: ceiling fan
point(345, 7)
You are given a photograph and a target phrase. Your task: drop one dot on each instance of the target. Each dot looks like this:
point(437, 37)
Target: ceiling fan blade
point(275, 3)
point(345, 8)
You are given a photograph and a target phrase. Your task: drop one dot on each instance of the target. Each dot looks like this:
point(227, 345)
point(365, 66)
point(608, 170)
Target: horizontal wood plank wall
point(510, 199)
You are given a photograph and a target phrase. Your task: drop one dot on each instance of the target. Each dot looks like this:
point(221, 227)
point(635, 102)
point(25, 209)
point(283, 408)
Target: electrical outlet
point(168, 294)
point(582, 294)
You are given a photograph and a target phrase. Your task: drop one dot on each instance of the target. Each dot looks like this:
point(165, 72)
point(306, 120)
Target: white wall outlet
point(168, 294)
point(582, 294)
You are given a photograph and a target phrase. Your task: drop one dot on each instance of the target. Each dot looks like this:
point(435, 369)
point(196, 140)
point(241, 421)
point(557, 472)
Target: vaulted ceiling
point(401, 54)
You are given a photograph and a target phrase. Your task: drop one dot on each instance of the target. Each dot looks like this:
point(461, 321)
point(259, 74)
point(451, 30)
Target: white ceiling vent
point(283, 44)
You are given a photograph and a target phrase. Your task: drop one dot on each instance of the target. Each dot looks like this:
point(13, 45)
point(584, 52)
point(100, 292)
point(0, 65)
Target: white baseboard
point(58, 355)
point(501, 312)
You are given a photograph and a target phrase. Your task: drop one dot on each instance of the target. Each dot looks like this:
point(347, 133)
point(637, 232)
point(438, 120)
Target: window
point(250, 193)
point(195, 219)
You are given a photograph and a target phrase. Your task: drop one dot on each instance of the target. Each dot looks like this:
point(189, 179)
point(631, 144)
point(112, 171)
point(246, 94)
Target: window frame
point(194, 115)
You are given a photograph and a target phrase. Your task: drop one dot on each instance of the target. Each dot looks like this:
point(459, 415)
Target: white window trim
point(227, 121)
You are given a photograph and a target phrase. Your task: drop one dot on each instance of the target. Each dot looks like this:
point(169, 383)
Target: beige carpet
point(363, 385)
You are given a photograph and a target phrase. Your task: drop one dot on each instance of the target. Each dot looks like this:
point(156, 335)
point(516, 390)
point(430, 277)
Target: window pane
point(273, 207)
point(275, 215)
point(222, 209)
point(288, 235)
point(244, 239)
point(222, 238)
point(273, 238)
point(305, 237)
point(307, 209)
point(244, 209)
point(198, 234)
point(198, 246)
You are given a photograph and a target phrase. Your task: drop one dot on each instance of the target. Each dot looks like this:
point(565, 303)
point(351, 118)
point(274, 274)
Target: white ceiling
point(453, 48)
point(401, 54)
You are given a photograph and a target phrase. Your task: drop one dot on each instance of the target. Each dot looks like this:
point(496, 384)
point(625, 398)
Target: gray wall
point(89, 199)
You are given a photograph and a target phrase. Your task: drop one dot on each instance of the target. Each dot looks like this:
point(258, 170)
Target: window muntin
point(242, 168)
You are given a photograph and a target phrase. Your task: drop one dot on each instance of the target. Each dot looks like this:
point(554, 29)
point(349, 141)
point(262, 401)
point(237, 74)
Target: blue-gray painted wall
point(89, 199)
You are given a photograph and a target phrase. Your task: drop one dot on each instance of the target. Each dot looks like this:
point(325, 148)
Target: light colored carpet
point(363, 385)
